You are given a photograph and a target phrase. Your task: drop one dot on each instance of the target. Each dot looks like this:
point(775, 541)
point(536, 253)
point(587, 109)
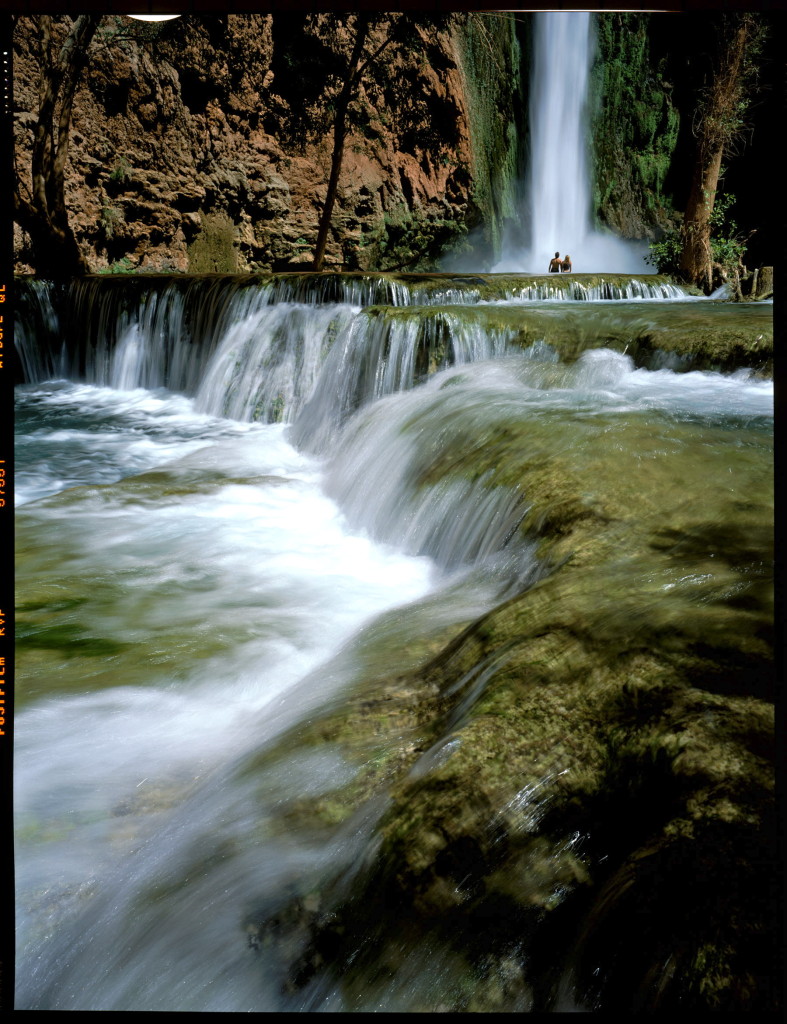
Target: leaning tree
point(719, 122)
point(374, 36)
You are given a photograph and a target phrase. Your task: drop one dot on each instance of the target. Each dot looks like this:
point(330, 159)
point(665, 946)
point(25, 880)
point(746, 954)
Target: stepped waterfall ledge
point(394, 642)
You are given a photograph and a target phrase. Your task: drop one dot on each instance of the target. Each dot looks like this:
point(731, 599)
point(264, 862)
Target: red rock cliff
point(204, 144)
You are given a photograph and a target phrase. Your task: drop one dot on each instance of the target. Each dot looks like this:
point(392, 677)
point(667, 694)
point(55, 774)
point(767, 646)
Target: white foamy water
point(612, 375)
point(222, 583)
point(559, 196)
point(70, 434)
point(191, 587)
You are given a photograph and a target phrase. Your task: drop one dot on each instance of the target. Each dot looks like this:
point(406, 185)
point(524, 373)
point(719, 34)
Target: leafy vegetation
point(121, 171)
point(121, 266)
point(110, 221)
point(727, 246)
point(635, 125)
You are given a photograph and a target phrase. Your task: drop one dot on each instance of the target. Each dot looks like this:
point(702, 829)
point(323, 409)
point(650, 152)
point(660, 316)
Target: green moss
point(121, 266)
point(405, 239)
point(121, 172)
point(635, 126)
point(70, 640)
point(491, 58)
point(714, 336)
point(214, 250)
point(599, 744)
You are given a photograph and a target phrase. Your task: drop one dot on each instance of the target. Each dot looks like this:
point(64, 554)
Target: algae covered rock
point(573, 797)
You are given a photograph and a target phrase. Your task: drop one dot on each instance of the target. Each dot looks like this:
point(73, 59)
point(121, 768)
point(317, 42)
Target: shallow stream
point(224, 528)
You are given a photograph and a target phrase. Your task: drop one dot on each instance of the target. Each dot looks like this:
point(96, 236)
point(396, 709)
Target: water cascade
point(558, 190)
point(389, 643)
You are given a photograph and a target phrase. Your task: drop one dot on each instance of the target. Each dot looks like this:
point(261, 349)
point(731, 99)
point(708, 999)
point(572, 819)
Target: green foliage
point(121, 171)
point(491, 58)
point(404, 240)
point(121, 266)
point(726, 245)
point(665, 255)
point(635, 125)
point(110, 220)
point(719, 217)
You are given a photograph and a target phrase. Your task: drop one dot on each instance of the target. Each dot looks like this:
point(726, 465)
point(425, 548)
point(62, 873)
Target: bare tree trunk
point(695, 259)
point(718, 123)
point(44, 215)
point(339, 137)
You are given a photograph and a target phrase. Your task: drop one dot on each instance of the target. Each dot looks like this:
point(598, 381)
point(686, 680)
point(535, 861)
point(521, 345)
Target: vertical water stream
point(558, 206)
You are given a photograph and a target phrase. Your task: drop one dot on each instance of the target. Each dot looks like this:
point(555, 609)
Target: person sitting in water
point(565, 266)
point(554, 264)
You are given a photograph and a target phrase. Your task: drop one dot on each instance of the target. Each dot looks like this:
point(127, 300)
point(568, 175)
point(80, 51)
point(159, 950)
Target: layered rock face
point(204, 144)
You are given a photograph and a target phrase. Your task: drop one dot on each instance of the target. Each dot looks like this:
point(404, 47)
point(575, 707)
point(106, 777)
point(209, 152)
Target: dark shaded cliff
point(649, 74)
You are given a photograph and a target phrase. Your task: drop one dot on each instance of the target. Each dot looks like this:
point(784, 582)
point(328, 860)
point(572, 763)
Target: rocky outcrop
point(204, 144)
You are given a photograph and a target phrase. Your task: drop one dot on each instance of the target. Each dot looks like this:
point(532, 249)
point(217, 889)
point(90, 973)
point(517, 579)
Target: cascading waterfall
point(250, 514)
point(251, 348)
point(380, 355)
point(267, 364)
point(558, 193)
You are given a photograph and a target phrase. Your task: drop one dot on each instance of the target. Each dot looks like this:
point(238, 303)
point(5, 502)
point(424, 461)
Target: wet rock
point(583, 783)
point(762, 283)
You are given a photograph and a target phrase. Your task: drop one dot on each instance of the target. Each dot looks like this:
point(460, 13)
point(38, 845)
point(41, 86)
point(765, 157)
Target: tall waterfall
point(558, 213)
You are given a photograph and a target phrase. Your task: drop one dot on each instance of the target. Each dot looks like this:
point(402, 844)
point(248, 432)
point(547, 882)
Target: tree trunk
point(339, 137)
point(44, 215)
point(695, 259)
point(719, 121)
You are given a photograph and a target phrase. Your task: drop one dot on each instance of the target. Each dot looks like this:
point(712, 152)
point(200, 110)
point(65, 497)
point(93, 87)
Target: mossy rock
point(591, 746)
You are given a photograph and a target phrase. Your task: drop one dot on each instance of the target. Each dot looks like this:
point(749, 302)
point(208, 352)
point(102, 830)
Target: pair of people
point(558, 266)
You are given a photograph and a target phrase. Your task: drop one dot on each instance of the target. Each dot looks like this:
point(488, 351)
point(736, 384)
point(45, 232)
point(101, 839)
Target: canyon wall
point(204, 144)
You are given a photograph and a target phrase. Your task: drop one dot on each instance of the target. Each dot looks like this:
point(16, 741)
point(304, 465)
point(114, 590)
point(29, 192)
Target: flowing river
point(248, 514)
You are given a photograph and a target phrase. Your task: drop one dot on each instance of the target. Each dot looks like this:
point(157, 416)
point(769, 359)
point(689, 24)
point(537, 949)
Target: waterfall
point(253, 347)
point(357, 637)
point(558, 212)
point(559, 194)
